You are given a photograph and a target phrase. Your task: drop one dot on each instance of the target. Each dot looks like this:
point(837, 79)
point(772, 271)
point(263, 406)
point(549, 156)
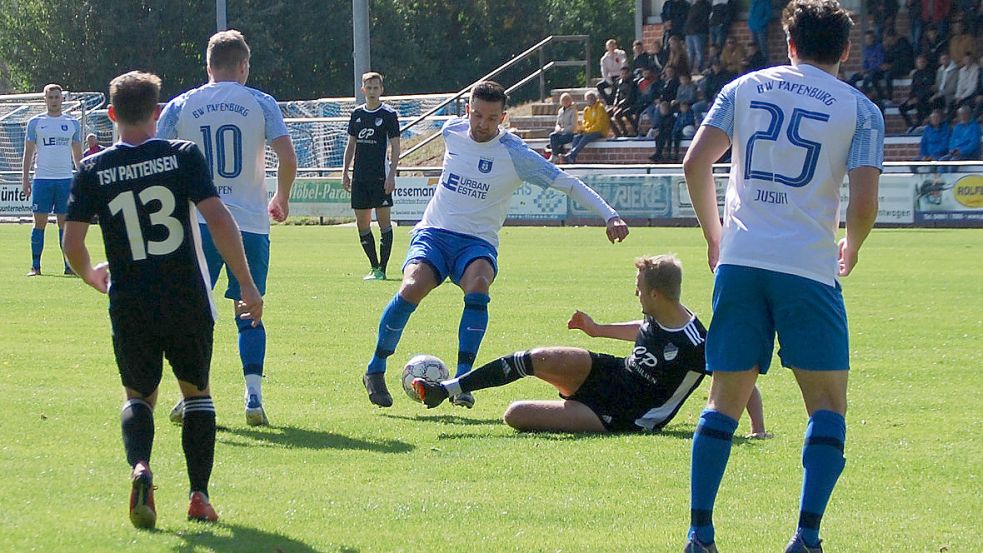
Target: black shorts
point(616, 396)
point(370, 194)
point(139, 358)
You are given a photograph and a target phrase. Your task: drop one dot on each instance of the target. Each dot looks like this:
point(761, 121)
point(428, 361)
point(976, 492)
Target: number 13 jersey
point(795, 131)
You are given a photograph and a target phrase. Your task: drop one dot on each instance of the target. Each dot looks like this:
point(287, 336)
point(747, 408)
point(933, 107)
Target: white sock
point(254, 386)
point(453, 387)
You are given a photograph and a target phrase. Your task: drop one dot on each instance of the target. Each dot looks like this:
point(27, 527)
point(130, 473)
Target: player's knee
point(517, 415)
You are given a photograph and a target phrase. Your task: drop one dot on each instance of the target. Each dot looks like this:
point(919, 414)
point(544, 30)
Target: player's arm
point(286, 172)
point(77, 154)
point(617, 229)
point(864, 162)
point(73, 244)
point(394, 149)
point(708, 145)
point(619, 331)
point(228, 241)
point(346, 179)
point(30, 147)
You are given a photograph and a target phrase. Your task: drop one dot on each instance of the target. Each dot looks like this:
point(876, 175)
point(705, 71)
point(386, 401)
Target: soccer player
point(458, 236)
point(143, 191)
point(795, 132)
point(372, 130)
point(56, 139)
point(231, 124)
point(604, 393)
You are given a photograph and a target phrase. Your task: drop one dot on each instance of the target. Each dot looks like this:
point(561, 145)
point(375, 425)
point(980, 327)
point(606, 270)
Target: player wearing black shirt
point(372, 131)
point(144, 192)
point(604, 393)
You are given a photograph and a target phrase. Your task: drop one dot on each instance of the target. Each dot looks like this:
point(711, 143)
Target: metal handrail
point(543, 67)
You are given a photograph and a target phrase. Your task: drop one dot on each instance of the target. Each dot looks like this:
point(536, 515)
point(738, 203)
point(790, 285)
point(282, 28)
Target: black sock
point(198, 440)
point(137, 420)
point(498, 373)
point(368, 244)
point(385, 247)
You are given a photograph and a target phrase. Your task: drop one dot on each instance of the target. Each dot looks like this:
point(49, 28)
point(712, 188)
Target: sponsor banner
point(634, 196)
point(317, 197)
point(411, 197)
point(949, 198)
point(531, 202)
point(13, 203)
point(682, 205)
point(895, 199)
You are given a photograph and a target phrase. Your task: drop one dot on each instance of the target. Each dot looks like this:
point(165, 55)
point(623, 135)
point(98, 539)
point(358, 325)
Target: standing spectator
point(899, 60)
point(641, 59)
point(882, 14)
point(93, 145)
point(961, 42)
point(935, 138)
point(611, 63)
point(967, 82)
point(732, 56)
point(922, 79)
point(915, 26)
point(678, 58)
point(936, 12)
point(674, 14)
point(759, 16)
point(945, 83)
point(964, 141)
point(754, 59)
point(721, 16)
point(54, 137)
point(933, 45)
point(566, 125)
point(697, 31)
point(684, 127)
point(662, 131)
point(595, 126)
point(625, 98)
point(873, 59)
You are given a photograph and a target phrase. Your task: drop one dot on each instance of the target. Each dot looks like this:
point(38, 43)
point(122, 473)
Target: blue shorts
point(750, 305)
point(448, 253)
point(50, 195)
point(257, 248)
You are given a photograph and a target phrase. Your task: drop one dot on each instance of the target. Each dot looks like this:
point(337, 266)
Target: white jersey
point(479, 178)
point(231, 124)
point(795, 132)
point(53, 137)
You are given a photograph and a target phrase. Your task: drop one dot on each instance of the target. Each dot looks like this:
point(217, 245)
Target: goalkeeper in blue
point(458, 235)
point(795, 132)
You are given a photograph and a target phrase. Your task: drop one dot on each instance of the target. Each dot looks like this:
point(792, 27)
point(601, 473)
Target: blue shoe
point(696, 546)
point(799, 546)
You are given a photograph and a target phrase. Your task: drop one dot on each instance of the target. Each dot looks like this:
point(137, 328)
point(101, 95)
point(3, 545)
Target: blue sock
point(252, 346)
point(61, 237)
point(711, 449)
point(822, 459)
point(394, 318)
point(37, 246)
point(474, 322)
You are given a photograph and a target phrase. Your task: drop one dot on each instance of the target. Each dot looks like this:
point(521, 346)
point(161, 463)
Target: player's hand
point(713, 255)
point(98, 277)
point(617, 229)
point(346, 182)
point(279, 208)
point(581, 321)
point(25, 186)
point(848, 258)
point(390, 184)
point(250, 306)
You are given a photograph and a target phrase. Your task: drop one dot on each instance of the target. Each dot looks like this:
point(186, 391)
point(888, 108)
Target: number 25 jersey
point(795, 132)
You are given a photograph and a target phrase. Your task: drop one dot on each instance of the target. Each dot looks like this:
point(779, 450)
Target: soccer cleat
point(199, 509)
point(255, 414)
point(695, 546)
point(35, 271)
point(375, 385)
point(463, 400)
point(69, 271)
point(375, 274)
point(143, 514)
point(431, 394)
point(177, 412)
point(799, 546)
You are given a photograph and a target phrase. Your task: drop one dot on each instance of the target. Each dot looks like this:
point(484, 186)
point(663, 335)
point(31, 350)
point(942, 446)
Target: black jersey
point(372, 130)
point(144, 198)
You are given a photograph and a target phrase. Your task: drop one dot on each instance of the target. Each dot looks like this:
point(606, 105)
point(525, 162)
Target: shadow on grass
point(448, 419)
point(243, 538)
point(292, 437)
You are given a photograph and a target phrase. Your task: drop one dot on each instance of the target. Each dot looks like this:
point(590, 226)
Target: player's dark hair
point(490, 91)
point(662, 273)
point(227, 49)
point(820, 29)
point(134, 96)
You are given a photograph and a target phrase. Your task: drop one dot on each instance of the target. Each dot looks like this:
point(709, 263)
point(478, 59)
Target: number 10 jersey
point(795, 131)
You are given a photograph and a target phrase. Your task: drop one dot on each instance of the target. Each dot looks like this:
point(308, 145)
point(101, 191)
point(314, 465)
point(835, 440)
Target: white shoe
point(177, 412)
point(255, 414)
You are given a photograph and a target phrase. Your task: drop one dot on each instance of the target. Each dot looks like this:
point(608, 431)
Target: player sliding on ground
point(458, 236)
point(604, 393)
point(144, 191)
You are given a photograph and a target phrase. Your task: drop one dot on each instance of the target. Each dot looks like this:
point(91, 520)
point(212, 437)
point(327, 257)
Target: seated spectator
point(663, 131)
point(648, 89)
point(595, 126)
point(873, 94)
point(566, 125)
point(697, 32)
point(658, 56)
point(882, 14)
point(964, 140)
point(732, 56)
point(611, 63)
point(754, 59)
point(712, 84)
point(961, 42)
point(871, 73)
point(686, 91)
point(713, 53)
point(684, 127)
point(936, 14)
point(922, 79)
point(669, 85)
point(641, 59)
point(678, 58)
point(944, 90)
point(721, 16)
point(933, 45)
point(93, 145)
point(622, 111)
point(935, 138)
point(967, 82)
point(898, 60)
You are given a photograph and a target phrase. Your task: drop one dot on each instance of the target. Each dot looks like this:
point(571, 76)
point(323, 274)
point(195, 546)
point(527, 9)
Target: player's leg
point(552, 416)
point(62, 190)
point(42, 202)
point(476, 283)
point(384, 217)
point(363, 222)
point(252, 339)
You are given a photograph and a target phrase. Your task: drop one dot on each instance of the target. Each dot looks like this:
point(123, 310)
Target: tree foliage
point(301, 48)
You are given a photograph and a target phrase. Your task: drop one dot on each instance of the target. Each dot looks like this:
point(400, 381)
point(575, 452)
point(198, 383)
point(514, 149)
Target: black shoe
point(375, 385)
point(655, 158)
point(431, 394)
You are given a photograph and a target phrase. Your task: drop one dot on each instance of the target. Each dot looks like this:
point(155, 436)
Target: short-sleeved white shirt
point(53, 137)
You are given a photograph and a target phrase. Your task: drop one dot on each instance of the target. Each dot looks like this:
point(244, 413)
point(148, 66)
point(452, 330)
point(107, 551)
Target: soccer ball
point(427, 367)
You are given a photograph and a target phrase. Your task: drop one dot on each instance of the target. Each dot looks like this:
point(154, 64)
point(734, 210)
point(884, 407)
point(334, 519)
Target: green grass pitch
point(334, 473)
